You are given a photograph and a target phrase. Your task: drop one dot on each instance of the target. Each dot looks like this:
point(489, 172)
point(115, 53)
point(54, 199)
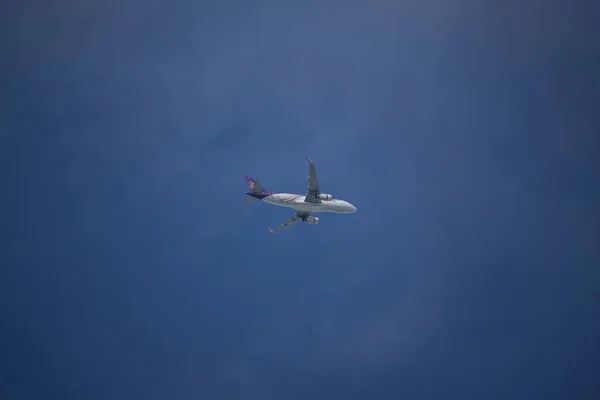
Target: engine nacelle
point(325, 196)
point(311, 220)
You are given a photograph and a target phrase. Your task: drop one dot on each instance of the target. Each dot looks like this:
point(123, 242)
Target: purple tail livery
point(256, 190)
point(252, 185)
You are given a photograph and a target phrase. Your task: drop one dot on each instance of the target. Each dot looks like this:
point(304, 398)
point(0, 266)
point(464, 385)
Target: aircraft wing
point(313, 184)
point(295, 218)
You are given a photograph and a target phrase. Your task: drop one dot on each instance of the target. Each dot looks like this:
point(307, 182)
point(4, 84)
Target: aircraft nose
point(352, 208)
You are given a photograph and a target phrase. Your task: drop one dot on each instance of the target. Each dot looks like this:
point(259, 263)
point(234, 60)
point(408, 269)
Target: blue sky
point(466, 133)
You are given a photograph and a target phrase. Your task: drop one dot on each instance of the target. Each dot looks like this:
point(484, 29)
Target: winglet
point(271, 230)
point(309, 160)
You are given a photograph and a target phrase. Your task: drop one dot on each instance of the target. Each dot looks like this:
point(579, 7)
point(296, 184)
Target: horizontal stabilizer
point(249, 200)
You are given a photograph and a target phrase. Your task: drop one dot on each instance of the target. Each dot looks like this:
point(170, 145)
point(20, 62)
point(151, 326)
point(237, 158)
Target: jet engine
point(325, 196)
point(311, 220)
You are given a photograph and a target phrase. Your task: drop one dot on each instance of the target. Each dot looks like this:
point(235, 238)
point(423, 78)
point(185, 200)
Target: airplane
point(312, 202)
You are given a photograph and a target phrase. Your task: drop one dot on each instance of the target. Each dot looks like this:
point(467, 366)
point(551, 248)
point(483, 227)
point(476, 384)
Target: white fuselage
point(296, 201)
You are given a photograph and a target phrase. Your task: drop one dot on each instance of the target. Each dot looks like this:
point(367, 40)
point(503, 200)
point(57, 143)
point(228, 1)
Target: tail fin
point(254, 185)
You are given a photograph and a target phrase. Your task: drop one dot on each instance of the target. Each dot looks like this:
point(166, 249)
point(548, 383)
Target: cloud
point(429, 103)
